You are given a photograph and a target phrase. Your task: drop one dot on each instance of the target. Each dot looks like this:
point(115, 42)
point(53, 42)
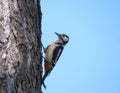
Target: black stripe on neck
point(59, 43)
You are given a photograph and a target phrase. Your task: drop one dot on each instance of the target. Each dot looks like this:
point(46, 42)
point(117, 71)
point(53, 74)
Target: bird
point(52, 54)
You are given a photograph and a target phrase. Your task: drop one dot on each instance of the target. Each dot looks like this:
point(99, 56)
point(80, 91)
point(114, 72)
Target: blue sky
point(90, 62)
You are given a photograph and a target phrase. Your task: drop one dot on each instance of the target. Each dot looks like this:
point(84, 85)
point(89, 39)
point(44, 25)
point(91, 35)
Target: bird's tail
point(43, 84)
point(43, 79)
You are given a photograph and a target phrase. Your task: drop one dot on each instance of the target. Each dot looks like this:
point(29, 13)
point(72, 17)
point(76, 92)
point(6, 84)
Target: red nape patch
point(48, 67)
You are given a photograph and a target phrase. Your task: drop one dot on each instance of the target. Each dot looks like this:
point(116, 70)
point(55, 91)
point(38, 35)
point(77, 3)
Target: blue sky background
point(90, 62)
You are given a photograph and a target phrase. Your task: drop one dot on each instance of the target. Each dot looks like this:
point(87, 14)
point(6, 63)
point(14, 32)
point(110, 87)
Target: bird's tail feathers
point(44, 77)
point(43, 84)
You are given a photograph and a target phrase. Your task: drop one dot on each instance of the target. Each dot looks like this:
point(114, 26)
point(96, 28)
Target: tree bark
point(20, 46)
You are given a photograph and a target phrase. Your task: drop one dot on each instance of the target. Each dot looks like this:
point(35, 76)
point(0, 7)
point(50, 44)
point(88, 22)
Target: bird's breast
point(49, 53)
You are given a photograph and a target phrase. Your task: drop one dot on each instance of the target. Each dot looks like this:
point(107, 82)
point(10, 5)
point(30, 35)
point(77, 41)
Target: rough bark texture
point(20, 46)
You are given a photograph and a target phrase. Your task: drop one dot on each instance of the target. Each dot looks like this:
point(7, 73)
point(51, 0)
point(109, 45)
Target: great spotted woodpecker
point(52, 54)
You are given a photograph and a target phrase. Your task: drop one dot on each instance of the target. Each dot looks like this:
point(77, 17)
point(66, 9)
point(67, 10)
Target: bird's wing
point(56, 54)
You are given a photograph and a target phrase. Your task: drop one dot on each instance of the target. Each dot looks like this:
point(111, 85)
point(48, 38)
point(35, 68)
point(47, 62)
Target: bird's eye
point(63, 35)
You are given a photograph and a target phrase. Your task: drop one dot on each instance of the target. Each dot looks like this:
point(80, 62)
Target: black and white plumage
point(53, 52)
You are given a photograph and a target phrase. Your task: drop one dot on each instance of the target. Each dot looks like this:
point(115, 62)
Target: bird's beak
point(59, 35)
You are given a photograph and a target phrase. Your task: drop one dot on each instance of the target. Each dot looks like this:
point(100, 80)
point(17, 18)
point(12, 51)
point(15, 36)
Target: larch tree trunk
point(20, 46)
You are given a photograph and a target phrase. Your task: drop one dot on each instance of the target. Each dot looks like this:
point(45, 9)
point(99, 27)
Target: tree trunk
point(20, 46)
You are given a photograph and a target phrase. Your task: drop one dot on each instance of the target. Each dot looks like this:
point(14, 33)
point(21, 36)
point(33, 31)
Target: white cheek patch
point(65, 39)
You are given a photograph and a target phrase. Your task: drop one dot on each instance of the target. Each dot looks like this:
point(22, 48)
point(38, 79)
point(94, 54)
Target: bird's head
point(62, 37)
